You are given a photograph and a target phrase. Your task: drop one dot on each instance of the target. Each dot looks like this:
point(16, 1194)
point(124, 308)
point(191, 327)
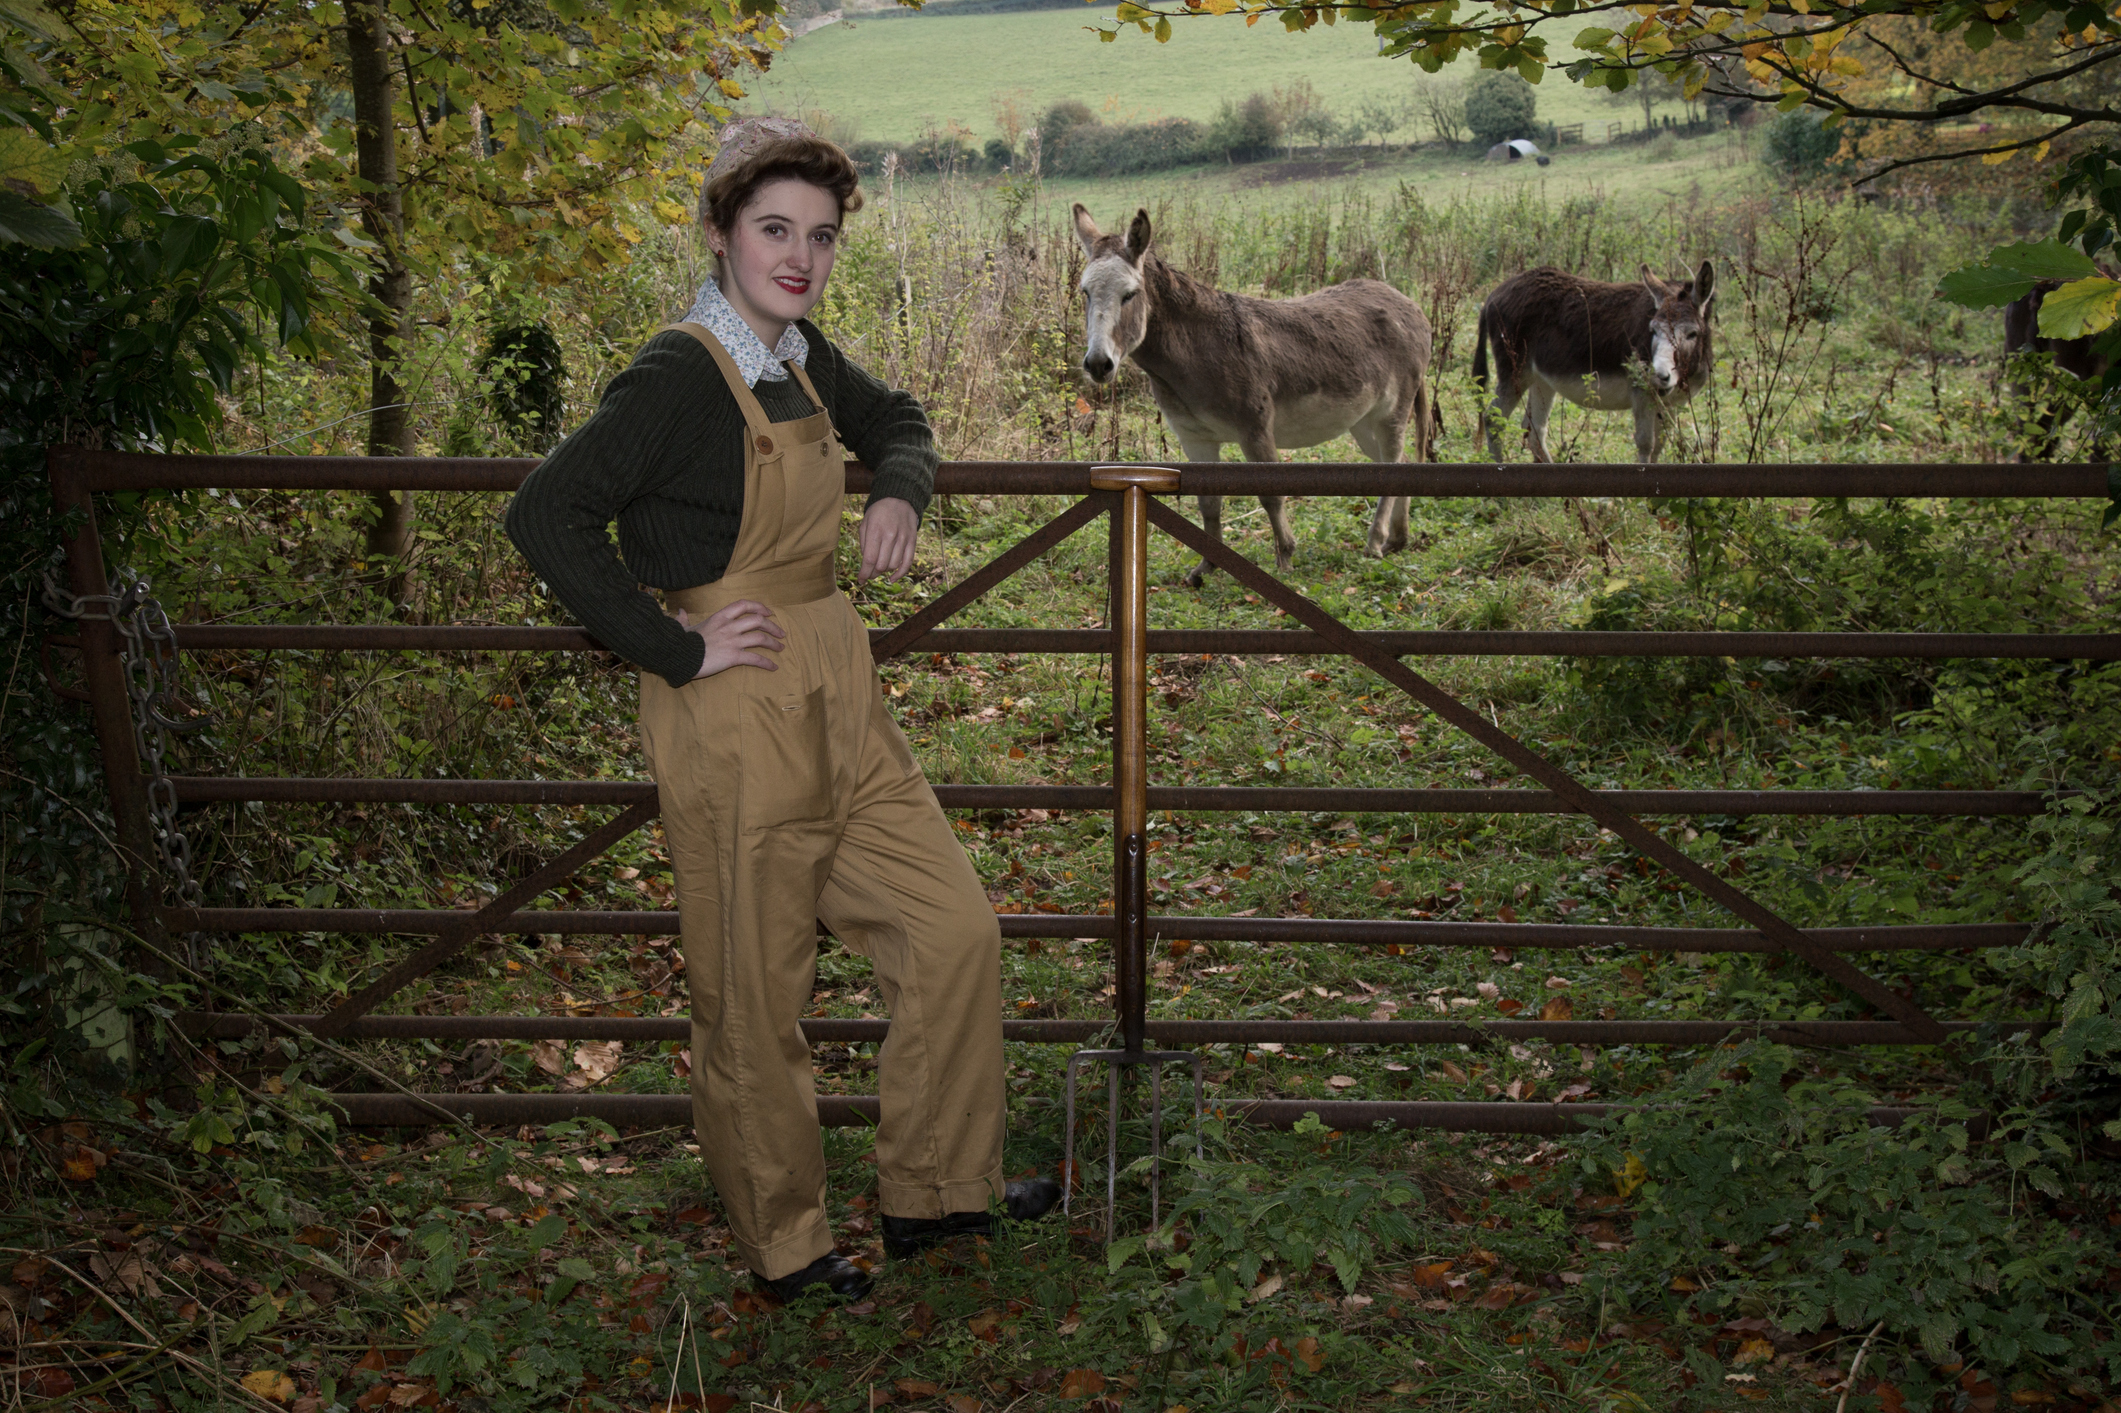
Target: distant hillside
point(896, 75)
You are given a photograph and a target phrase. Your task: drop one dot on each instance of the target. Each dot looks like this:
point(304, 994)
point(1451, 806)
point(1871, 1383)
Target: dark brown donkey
point(2021, 334)
point(1264, 373)
point(1605, 346)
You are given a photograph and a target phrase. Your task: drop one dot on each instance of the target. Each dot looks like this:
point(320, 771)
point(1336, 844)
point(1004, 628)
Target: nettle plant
point(1233, 1223)
point(1761, 1186)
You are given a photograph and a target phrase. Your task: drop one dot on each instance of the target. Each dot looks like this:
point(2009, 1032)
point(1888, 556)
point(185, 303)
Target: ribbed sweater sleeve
point(561, 517)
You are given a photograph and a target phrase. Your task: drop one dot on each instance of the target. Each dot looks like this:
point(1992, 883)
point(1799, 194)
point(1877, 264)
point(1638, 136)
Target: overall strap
point(810, 388)
point(747, 402)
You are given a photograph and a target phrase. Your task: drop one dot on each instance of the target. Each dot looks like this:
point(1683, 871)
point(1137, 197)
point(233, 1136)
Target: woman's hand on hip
point(887, 535)
point(734, 637)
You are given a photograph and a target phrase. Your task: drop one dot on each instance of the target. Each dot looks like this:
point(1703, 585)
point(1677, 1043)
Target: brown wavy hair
point(803, 157)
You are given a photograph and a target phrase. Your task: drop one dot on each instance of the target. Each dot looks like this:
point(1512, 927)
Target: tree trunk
point(383, 221)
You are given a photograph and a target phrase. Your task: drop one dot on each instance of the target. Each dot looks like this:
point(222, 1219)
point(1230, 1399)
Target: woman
point(788, 793)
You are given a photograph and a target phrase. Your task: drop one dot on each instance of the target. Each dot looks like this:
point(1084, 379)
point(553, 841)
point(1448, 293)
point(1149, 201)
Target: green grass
point(894, 79)
point(1713, 167)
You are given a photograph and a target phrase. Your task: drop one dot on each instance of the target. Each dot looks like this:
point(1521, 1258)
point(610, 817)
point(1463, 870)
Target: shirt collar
point(753, 359)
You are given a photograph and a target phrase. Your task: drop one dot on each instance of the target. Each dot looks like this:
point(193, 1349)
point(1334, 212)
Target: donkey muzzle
point(1098, 367)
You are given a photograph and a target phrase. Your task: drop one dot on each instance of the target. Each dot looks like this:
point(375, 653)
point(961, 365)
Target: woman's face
point(777, 259)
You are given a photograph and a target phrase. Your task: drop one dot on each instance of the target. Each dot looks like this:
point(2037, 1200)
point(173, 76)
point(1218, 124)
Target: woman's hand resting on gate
point(887, 535)
point(733, 633)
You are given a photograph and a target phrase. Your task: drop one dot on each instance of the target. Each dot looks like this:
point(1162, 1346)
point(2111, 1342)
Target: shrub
point(1663, 148)
point(1243, 131)
point(1499, 106)
point(1094, 149)
point(1799, 146)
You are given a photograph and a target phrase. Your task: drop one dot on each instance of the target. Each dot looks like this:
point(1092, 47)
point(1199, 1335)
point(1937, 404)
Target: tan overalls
point(788, 797)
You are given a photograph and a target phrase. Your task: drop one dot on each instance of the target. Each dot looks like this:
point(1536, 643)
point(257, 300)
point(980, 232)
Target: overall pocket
point(787, 761)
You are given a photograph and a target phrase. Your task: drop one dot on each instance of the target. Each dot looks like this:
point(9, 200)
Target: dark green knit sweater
point(663, 456)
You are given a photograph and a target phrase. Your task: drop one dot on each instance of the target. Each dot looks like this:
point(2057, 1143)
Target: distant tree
point(1381, 114)
point(1292, 106)
point(1317, 124)
point(1499, 106)
point(1442, 101)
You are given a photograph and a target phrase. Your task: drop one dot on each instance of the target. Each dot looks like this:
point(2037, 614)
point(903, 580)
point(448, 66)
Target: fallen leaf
point(1342, 1081)
point(1310, 1354)
point(1263, 1290)
point(963, 1403)
point(1070, 1322)
point(1431, 1277)
point(1082, 1383)
point(79, 1163)
point(323, 1238)
point(917, 1388)
point(1509, 1005)
point(1561, 1008)
point(983, 1324)
point(272, 1385)
point(549, 1056)
point(1754, 1351)
point(1457, 1075)
point(1682, 1283)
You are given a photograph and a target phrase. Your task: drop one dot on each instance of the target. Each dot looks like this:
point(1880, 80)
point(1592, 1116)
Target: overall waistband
point(795, 584)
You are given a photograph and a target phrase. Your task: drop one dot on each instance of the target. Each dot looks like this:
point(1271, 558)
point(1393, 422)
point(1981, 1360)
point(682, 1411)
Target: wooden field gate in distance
point(77, 475)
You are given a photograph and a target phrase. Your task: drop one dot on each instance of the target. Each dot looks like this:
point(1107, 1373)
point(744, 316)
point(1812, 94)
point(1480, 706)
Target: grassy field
point(945, 69)
point(1701, 170)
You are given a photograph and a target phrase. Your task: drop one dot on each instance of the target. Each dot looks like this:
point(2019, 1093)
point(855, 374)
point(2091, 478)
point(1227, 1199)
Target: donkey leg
point(1211, 520)
point(1284, 537)
point(1260, 447)
point(1649, 426)
point(1388, 526)
point(1211, 507)
point(1538, 406)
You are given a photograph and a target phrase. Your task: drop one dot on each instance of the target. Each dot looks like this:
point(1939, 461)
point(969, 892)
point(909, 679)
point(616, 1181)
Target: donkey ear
point(1138, 235)
point(1658, 288)
point(1086, 229)
point(1704, 285)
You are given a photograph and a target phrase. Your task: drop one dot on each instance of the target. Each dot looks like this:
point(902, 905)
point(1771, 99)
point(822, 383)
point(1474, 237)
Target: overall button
point(765, 446)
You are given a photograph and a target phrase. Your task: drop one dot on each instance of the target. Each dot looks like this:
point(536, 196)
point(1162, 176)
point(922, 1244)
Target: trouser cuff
point(932, 1200)
point(790, 1253)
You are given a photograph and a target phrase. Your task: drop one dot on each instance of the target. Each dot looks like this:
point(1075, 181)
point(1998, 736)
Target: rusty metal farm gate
point(126, 646)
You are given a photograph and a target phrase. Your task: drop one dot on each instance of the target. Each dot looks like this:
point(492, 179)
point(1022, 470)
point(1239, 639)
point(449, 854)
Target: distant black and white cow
point(1643, 347)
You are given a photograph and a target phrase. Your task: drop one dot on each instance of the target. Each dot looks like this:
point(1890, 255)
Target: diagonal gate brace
point(1030, 547)
point(1572, 792)
point(459, 934)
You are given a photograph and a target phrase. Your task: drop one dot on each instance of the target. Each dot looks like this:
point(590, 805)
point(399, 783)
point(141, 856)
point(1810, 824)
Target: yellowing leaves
point(272, 1385)
point(29, 165)
point(1218, 7)
point(2080, 307)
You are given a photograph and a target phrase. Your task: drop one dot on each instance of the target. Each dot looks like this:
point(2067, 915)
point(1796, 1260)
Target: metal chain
point(147, 662)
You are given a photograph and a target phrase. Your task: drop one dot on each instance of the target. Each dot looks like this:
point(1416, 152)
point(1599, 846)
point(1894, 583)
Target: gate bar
point(206, 789)
point(650, 1030)
point(861, 1111)
point(1245, 642)
point(1320, 931)
point(122, 470)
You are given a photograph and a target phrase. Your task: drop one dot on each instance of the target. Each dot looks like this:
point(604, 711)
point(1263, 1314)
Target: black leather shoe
point(1021, 1202)
point(832, 1271)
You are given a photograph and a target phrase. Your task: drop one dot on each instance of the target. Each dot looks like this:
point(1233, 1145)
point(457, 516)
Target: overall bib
point(788, 797)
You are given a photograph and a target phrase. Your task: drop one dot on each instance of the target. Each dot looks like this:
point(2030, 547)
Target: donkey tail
point(1480, 349)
